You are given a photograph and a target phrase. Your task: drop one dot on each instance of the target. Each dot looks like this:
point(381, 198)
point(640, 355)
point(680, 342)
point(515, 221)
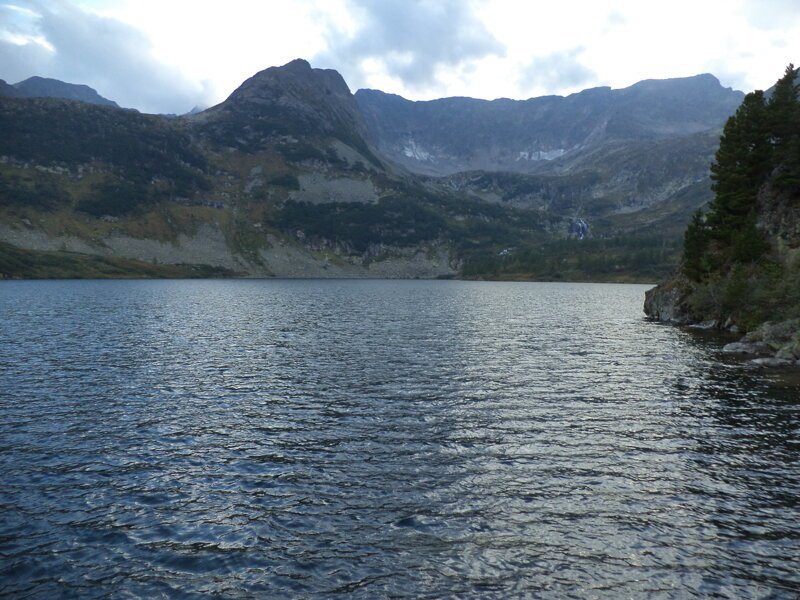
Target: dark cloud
point(557, 71)
point(412, 38)
point(85, 48)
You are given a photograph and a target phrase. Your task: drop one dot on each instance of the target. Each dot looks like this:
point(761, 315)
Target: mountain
point(288, 177)
point(450, 135)
point(279, 179)
point(287, 101)
point(42, 87)
point(622, 160)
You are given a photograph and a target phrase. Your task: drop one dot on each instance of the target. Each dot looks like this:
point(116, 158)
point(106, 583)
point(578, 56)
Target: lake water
point(377, 438)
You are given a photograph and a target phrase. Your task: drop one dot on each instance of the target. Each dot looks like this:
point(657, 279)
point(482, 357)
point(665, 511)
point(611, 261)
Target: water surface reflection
point(285, 438)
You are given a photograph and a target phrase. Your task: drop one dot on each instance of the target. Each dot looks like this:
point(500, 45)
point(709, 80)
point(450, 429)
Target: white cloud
point(167, 56)
point(62, 41)
point(409, 40)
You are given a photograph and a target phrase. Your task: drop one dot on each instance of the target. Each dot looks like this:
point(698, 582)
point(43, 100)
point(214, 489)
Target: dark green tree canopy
point(760, 143)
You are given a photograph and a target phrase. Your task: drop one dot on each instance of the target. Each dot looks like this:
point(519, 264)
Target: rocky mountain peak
point(289, 100)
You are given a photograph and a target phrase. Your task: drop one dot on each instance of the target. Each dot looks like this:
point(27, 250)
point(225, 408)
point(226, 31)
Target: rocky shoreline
point(771, 344)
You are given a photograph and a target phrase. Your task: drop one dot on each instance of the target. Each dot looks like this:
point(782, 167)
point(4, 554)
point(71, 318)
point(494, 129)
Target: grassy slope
point(32, 264)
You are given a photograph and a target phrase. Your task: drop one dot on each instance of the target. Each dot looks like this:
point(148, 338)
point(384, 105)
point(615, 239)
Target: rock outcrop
point(667, 302)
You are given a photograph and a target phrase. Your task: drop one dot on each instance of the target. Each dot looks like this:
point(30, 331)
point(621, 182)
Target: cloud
point(615, 18)
point(409, 40)
point(60, 40)
point(771, 14)
point(557, 71)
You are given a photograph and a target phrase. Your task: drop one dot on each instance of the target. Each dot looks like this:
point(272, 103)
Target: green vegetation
point(392, 221)
point(735, 273)
point(286, 180)
point(40, 192)
point(628, 258)
point(30, 264)
point(149, 157)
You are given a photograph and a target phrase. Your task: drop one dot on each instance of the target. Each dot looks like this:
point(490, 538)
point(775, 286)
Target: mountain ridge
point(449, 135)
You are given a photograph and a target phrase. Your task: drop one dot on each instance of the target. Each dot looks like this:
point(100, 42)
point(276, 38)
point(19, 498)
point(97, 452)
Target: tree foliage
point(760, 143)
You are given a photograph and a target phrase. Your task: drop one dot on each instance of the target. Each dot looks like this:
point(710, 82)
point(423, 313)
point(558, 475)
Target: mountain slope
point(8, 91)
point(601, 155)
point(293, 100)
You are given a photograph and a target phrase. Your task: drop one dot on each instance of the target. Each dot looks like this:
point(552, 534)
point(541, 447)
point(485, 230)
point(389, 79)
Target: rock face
point(748, 348)
point(42, 87)
point(293, 100)
point(666, 303)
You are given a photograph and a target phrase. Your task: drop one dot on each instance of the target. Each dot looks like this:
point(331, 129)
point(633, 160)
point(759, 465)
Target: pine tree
point(743, 163)
point(784, 121)
point(695, 246)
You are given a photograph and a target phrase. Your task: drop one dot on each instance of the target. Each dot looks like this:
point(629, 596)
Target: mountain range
point(293, 175)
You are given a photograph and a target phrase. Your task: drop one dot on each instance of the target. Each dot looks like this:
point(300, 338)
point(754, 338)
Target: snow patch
point(412, 150)
point(536, 155)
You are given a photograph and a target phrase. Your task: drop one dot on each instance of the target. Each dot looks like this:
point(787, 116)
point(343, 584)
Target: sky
point(169, 56)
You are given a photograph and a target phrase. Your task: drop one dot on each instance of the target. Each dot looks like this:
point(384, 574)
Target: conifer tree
point(743, 162)
point(784, 118)
point(695, 246)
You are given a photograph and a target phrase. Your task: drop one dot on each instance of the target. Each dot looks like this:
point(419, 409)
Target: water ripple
point(370, 439)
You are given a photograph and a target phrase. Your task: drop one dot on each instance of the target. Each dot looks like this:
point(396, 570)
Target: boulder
point(772, 361)
point(775, 334)
point(705, 325)
point(750, 348)
point(666, 303)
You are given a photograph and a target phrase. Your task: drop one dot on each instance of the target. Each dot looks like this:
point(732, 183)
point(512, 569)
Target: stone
point(790, 351)
point(704, 325)
point(772, 361)
point(753, 348)
point(666, 303)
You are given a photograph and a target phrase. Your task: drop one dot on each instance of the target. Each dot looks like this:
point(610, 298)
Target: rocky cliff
point(546, 134)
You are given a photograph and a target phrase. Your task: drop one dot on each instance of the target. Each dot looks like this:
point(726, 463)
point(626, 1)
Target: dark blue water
point(384, 439)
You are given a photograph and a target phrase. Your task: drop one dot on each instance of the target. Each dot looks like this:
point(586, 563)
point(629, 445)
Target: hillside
point(279, 179)
point(741, 258)
point(287, 177)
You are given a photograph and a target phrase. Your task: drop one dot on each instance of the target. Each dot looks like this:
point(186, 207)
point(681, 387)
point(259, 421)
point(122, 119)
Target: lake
point(275, 438)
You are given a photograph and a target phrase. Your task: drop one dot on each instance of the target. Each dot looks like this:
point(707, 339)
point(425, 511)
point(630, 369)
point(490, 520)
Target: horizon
point(142, 55)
